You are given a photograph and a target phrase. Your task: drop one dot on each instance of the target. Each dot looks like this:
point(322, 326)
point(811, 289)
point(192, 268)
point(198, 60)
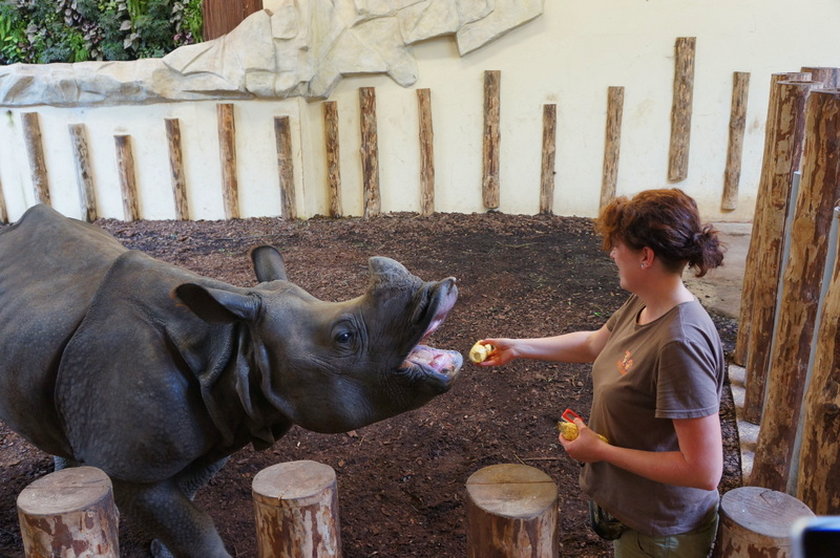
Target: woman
point(658, 370)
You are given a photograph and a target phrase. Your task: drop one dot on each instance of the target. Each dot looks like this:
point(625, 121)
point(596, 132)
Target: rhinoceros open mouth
point(444, 364)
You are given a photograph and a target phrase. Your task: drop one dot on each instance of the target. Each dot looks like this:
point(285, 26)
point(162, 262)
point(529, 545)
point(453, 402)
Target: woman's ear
point(648, 256)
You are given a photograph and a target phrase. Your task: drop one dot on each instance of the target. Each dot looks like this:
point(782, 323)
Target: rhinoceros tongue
point(429, 357)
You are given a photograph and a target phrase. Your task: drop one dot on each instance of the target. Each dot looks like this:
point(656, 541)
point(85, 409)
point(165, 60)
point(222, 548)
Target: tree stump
point(296, 507)
point(756, 522)
point(69, 514)
point(511, 512)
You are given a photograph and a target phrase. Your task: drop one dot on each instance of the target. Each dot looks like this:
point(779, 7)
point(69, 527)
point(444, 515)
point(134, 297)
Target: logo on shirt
point(624, 365)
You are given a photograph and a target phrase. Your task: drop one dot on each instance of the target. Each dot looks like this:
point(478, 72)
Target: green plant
point(35, 31)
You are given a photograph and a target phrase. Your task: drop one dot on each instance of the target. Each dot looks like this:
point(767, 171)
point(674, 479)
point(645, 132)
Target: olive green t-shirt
point(645, 376)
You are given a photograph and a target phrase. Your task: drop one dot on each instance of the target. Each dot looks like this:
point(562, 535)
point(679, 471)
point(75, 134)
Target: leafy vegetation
point(40, 32)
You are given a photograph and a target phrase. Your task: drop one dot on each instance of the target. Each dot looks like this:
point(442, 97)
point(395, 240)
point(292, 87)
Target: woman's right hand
point(504, 351)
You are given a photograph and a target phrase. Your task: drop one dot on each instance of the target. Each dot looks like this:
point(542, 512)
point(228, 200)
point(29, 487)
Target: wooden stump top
point(510, 490)
point(295, 480)
point(68, 490)
point(763, 511)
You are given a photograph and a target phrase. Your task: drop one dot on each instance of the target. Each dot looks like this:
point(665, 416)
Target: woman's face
point(628, 261)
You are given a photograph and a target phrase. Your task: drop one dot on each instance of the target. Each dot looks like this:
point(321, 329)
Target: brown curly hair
point(666, 221)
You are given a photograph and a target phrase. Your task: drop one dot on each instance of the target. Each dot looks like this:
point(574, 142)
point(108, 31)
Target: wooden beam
point(681, 109)
point(612, 144)
point(227, 151)
point(549, 149)
point(819, 191)
point(84, 171)
point(369, 152)
point(829, 77)
point(333, 157)
point(735, 149)
point(789, 126)
point(285, 166)
point(35, 150)
point(492, 138)
point(739, 355)
point(176, 168)
point(427, 152)
point(128, 177)
point(818, 482)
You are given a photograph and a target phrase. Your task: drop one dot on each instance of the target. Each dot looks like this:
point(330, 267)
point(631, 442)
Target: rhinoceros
point(154, 374)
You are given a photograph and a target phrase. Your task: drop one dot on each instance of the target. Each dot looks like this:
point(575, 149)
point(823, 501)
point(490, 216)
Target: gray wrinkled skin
point(154, 374)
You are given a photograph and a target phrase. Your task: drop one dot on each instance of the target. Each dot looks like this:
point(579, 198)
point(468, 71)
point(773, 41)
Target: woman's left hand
point(586, 447)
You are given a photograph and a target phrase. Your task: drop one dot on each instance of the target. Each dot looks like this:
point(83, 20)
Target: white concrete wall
point(568, 56)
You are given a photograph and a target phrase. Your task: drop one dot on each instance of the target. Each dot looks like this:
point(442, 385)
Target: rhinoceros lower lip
point(437, 360)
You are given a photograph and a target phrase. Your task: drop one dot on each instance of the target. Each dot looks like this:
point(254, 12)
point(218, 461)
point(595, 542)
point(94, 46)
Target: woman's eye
point(344, 337)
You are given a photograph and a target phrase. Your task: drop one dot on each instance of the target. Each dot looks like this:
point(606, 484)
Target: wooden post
point(176, 167)
point(549, 150)
point(681, 108)
point(227, 150)
point(285, 166)
point(612, 144)
point(492, 138)
point(511, 511)
point(222, 16)
point(818, 482)
point(35, 151)
point(84, 172)
point(819, 190)
point(333, 152)
point(735, 149)
point(4, 215)
point(296, 508)
point(427, 152)
point(369, 151)
point(772, 207)
point(829, 77)
point(128, 177)
point(739, 355)
point(755, 523)
point(71, 514)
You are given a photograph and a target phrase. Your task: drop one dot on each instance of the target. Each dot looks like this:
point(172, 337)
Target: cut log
point(492, 138)
point(681, 108)
point(296, 508)
point(549, 149)
point(756, 523)
point(333, 157)
point(176, 167)
point(84, 172)
point(285, 166)
point(227, 152)
point(369, 152)
point(128, 177)
point(735, 149)
point(612, 144)
point(427, 152)
point(71, 514)
point(511, 511)
point(35, 150)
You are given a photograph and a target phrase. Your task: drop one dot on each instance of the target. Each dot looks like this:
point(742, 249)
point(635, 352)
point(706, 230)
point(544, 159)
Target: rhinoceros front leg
point(182, 529)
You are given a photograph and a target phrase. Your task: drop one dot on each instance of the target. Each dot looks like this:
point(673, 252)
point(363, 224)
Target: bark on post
point(71, 514)
point(285, 167)
point(296, 508)
point(818, 483)
point(35, 151)
point(4, 216)
point(612, 145)
point(549, 150)
point(333, 157)
point(128, 177)
point(739, 355)
point(819, 190)
point(176, 167)
point(84, 172)
point(369, 151)
point(769, 234)
point(681, 108)
point(427, 152)
point(227, 151)
point(735, 149)
point(755, 523)
point(492, 138)
point(511, 511)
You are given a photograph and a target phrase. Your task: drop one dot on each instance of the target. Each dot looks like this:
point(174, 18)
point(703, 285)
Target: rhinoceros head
point(336, 366)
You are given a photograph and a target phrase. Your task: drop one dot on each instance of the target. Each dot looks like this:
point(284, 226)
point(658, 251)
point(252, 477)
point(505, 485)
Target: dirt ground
point(401, 482)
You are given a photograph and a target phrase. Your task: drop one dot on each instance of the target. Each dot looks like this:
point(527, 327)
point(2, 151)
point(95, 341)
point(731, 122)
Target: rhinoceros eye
point(344, 337)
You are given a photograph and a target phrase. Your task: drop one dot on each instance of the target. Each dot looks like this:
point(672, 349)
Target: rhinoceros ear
point(268, 264)
point(216, 305)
